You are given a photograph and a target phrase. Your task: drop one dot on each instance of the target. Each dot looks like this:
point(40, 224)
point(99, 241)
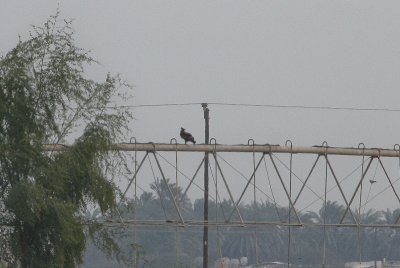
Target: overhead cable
point(310, 107)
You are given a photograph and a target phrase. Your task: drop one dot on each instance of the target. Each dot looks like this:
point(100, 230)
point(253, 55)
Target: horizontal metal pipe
point(375, 152)
point(149, 223)
point(189, 223)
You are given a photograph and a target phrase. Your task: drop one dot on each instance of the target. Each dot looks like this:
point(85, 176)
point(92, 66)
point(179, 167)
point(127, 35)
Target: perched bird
point(372, 181)
point(109, 79)
point(187, 136)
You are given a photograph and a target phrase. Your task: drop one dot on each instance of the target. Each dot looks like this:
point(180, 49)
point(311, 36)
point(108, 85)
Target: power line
point(309, 107)
point(155, 105)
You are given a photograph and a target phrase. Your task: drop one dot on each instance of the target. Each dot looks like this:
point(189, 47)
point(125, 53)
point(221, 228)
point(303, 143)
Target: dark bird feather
point(187, 136)
point(109, 79)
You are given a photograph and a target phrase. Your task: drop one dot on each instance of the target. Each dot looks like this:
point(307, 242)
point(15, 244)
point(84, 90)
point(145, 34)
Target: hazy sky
point(311, 53)
point(315, 53)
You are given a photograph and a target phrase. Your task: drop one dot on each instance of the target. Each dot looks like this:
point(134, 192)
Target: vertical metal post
point(205, 229)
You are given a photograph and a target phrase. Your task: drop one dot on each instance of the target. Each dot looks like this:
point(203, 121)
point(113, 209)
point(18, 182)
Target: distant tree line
point(160, 245)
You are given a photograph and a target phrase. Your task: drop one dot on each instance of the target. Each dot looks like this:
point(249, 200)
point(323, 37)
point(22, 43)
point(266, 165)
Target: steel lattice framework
point(261, 155)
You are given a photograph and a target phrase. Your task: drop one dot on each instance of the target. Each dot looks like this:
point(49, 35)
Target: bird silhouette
point(109, 79)
point(187, 136)
point(372, 181)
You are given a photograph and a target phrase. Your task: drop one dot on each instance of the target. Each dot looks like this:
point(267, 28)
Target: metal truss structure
point(292, 187)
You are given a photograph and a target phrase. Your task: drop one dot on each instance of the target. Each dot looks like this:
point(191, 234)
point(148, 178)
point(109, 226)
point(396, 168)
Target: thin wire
point(143, 190)
point(310, 107)
point(255, 206)
point(325, 210)
point(216, 211)
point(332, 188)
point(243, 176)
point(135, 210)
point(397, 220)
point(177, 237)
point(307, 107)
point(180, 172)
point(309, 188)
point(217, 195)
point(158, 190)
point(290, 206)
point(366, 201)
point(364, 206)
point(155, 105)
point(359, 210)
point(384, 190)
point(272, 192)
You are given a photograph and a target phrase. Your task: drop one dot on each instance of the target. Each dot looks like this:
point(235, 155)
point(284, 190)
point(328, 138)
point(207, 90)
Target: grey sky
point(335, 53)
point(313, 53)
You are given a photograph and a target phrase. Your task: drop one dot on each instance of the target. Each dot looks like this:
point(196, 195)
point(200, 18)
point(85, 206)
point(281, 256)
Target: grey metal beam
point(189, 223)
point(149, 147)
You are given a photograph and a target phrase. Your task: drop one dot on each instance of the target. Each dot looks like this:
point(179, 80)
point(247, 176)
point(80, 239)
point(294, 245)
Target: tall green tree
point(45, 97)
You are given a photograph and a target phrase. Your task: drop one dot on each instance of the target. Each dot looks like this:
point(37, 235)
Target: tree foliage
point(45, 98)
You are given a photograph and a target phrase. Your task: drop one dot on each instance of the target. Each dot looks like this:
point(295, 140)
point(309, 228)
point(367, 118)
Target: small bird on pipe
point(187, 136)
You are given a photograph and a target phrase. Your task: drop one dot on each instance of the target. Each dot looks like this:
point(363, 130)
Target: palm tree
point(368, 235)
point(339, 242)
point(266, 243)
point(164, 189)
point(389, 239)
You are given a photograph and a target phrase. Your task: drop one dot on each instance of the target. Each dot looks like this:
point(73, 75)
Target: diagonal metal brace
point(391, 184)
point(356, 190)
point(340, 188)
point(229, 192)
point(194, 176)
point(284, 187)
point(169, 189)
point(305, 182)
point(133, 178)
